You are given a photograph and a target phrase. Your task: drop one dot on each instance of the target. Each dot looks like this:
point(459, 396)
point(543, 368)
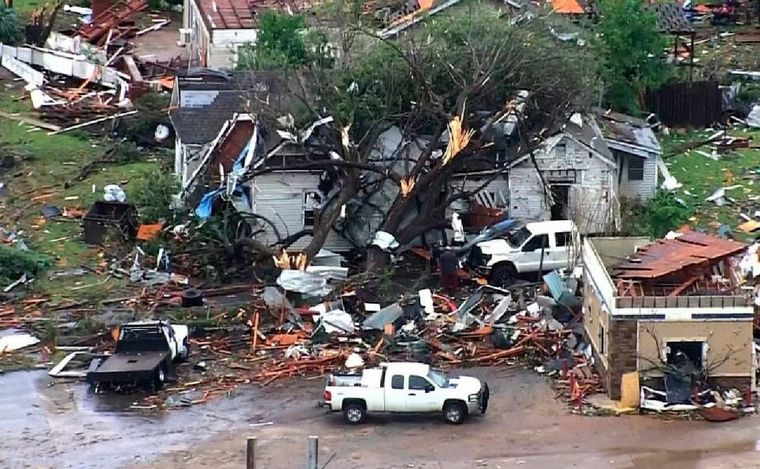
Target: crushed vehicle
point(404, 387)
point(145, 355)
point(533, 247)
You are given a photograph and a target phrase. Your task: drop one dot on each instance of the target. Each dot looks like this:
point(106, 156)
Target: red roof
point(240, 14)
point(668, 256)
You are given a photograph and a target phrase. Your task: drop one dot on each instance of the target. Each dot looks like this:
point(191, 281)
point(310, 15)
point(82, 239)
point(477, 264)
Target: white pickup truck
point(404, 388)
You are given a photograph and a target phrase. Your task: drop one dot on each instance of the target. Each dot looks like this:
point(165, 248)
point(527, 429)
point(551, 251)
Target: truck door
point(395, 394)
point(529, 259)
point(421, 395)
point(555, 255)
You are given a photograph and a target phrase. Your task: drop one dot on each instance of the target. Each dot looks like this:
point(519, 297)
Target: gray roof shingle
point(208, 99)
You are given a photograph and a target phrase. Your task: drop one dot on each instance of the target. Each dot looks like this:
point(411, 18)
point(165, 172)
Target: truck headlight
point(473, 397)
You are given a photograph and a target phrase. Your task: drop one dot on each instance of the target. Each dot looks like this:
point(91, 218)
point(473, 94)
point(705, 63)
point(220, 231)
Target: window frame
point(544, 245)
point(636, 173)
point(309, 209)
point(566, 236)
point(393, 378)
point(424, 380)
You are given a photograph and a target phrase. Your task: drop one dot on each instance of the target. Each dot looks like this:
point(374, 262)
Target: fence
point(681, 104)
point(312, 453)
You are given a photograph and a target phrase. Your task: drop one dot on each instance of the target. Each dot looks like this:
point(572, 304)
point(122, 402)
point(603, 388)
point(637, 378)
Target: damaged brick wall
point(622, 352)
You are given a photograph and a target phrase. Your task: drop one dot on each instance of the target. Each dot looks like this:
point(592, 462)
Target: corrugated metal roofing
point(668, 256)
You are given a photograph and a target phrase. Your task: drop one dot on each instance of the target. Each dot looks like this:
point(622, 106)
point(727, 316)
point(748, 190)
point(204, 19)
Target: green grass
point(701, 176)
point(47, 163)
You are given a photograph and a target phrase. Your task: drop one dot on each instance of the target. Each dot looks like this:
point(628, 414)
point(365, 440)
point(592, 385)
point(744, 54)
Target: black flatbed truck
point(144, 355)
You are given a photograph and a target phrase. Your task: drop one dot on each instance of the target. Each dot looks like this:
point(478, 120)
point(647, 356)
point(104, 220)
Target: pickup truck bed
point(127, 367)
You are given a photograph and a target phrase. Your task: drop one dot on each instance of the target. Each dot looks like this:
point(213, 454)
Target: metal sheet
point(671, 255)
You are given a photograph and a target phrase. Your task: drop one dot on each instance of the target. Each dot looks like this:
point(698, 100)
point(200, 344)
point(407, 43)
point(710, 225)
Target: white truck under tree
point(405, 388)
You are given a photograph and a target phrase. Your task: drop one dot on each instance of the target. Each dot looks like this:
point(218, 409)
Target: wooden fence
point(686, 104)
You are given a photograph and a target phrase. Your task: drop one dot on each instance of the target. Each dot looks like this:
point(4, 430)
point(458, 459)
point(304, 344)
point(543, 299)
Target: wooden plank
point(30, 121)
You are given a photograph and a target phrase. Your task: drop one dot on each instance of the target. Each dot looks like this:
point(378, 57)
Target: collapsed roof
point(688, 263)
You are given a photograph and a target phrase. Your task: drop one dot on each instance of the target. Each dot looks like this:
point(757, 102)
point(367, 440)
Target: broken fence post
point(312, 457)
point(250, 453)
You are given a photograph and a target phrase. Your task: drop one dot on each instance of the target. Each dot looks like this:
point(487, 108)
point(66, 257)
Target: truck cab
point(532, 247)
point(405, 388)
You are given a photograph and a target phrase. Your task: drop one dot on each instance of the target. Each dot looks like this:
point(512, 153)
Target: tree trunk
point(49, 25)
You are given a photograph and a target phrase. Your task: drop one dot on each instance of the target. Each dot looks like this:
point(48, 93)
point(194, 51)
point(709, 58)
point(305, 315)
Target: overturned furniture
point(104, 218)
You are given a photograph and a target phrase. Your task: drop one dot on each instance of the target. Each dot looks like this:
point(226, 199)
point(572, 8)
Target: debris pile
point(275, 339)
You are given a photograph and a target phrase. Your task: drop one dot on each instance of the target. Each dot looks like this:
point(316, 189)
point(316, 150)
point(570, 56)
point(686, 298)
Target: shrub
point(10, 25)
point(15, 262)
point(153, 197)
point(665, 213)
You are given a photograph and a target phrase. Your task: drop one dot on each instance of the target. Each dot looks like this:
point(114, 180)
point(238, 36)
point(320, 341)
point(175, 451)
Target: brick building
point(646, 302)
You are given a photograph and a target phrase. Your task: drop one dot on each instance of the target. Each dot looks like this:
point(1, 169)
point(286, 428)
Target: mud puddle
point(65, 425)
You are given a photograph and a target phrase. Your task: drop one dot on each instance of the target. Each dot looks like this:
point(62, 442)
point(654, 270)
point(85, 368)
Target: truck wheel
point(354, 413)
point(484, 399)
point(503, 275)
point(454, 413)
point(160, 378)
point(185, 354)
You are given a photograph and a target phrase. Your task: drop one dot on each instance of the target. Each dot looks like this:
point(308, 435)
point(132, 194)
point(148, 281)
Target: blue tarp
point(206, 205)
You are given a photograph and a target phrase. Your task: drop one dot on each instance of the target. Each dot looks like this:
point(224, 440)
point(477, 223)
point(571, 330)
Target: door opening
point(561, 196)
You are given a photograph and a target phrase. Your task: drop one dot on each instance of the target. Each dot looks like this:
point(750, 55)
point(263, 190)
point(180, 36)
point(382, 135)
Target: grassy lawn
point(700, 176)
point(46, 169)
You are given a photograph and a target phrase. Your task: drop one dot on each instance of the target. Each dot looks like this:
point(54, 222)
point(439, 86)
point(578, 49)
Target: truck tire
point(160, 378)
point(503, 275)
point(454, 413)
point(183, 356)
point(354, 413)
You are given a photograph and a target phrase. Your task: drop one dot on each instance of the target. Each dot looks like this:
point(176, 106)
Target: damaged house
point(570, 175)
point(637, 153)
point(213, 30)
point(651, 307)
point(202, 105)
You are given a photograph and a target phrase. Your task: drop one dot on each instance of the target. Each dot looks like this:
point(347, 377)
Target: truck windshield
point(518, 237)
point(440, 380)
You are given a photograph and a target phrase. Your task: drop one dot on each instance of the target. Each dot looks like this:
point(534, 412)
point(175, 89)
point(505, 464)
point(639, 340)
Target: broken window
point(602, 345)
point(310, 207)
point(685, 354)
point(635, 169)
point(397, 382)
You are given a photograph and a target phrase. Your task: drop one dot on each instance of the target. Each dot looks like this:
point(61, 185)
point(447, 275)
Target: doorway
point(561, 198)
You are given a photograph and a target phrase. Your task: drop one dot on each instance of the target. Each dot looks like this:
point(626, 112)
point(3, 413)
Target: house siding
point(637, 190)
point(592, 201)
point(279, 198)
point(200, 37)
point(498, 188)
point(190, 157)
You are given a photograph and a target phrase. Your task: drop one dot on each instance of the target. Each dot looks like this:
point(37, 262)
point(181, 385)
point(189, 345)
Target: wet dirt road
point(66, 427)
